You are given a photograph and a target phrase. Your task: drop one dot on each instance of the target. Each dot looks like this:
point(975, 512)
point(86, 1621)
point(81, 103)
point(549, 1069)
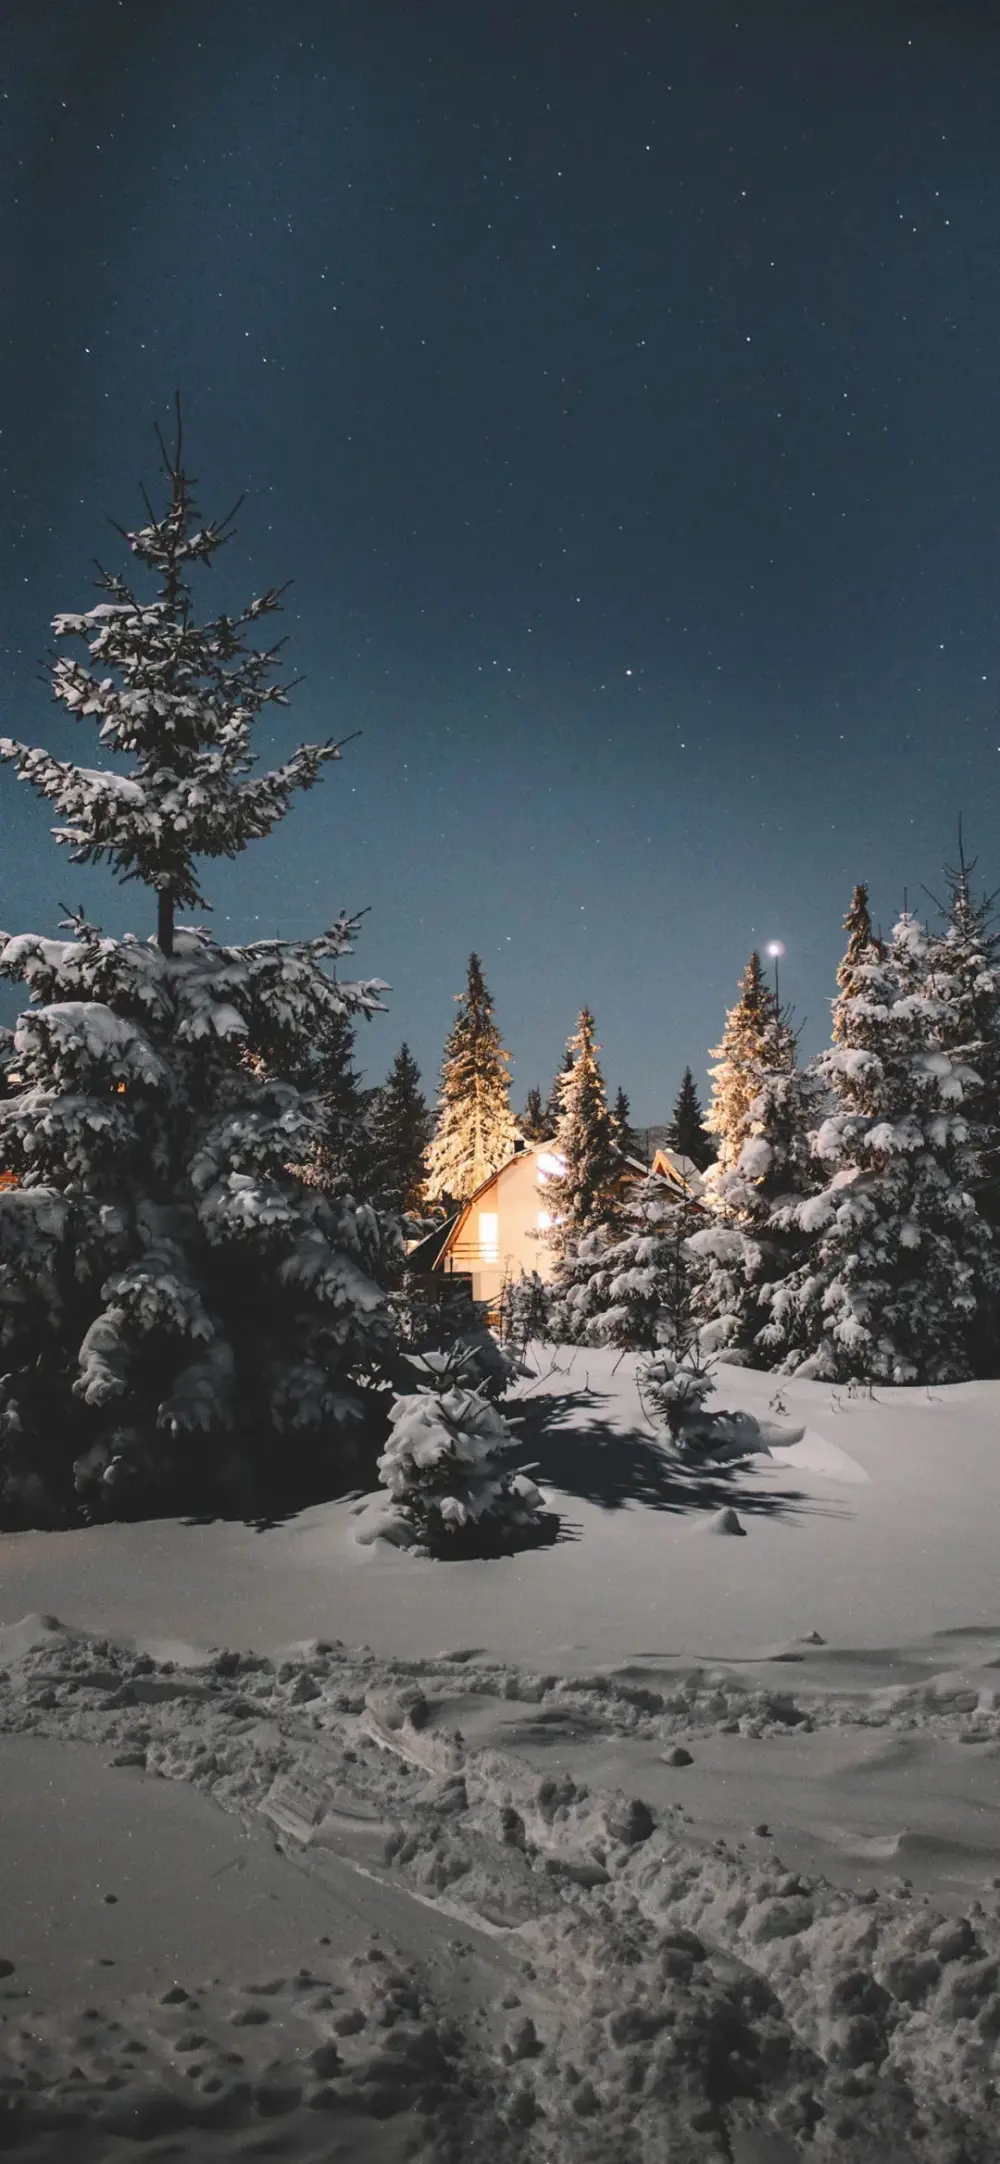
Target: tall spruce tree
point(339, 1162)
point(586, 1194)
point(610, 1288)
point(399, 1129)
point(900, 1259)
point(965, 959)
point(475, 1130)
point(554, 1100)
point(687, 1133)
point(170, 1285)
point(760, 1115)
point(533, 1123)
point(861, 950)
point(625, 1135)
point(967, 951)
point(752, 1238)
point(757, 1039)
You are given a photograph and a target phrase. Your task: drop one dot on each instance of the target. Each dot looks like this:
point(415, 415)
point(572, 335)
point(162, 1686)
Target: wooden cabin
point(499, 1233)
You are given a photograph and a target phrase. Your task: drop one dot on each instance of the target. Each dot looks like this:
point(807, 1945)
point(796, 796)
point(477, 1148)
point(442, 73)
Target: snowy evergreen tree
point(533, 1122)
point(585, 1195)
point(752, 1239)
point(610, 1290)
point(179, 1314)
point(8, 1067)
point(440, 1468)
point(861, 950)
point(901, 1259)
point(339, 1162)
point(676, 1379)
point(578, 1286)
point(965, 968)
point(757, 1040)
point(475, 1130)
point(398, 1132)
point(757, 1111)
point(525, 1311)
point(687, 1133)
point(967, 951)
point(554, 1100)
point(626, 1139)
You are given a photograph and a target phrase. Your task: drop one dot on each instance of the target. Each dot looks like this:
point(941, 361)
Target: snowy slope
point(877, 1529)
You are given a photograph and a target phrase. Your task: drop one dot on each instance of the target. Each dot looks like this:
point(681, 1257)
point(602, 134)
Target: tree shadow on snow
point(571, 1447)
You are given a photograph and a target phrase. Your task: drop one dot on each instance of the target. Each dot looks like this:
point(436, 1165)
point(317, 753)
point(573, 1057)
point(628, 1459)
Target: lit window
point(489, 1235)
point(548, 1167)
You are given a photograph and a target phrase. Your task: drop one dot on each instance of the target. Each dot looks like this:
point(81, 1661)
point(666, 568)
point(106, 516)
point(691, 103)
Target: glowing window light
point(489, 1235)
point(549, 1167)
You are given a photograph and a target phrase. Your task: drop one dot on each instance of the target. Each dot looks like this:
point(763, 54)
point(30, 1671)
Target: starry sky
point(618, 384)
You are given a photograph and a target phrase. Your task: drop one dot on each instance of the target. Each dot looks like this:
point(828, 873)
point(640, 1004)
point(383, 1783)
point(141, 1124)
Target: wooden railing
point(467, 1254)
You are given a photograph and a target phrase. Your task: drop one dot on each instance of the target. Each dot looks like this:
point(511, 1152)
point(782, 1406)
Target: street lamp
point(776, 948)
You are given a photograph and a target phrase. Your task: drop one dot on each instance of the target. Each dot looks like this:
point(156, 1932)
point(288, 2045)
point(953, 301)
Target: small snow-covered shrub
point(676, 1389)
point(439, 1467)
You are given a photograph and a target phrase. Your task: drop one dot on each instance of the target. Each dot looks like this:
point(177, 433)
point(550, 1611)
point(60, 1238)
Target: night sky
point(618, 384)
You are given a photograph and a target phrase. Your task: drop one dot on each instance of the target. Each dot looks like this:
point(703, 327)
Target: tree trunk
point(165, 921)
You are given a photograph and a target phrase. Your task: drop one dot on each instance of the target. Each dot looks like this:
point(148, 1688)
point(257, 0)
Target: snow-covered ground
point(659, 1842)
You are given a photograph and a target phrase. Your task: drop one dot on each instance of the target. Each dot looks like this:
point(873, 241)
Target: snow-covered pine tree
point(440, 1467)
point(626, 1139)
point(178, 1310)
point(533, 1123)
point(8, 1066)
point(398, 1131)
point(965, 966)
point(610, 1291)
point(585, 1195)
point(752, 1239)
point(687, 1133)
point(525, 1311)
point(967, 949)
point(554, 1100)
point(676, 1379)
point(339, 1161)
point(762, 1109)
point(577, 1291)
point(475, 1129)
point(861, 950)
point(756, 1040)
point(901, 1260)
